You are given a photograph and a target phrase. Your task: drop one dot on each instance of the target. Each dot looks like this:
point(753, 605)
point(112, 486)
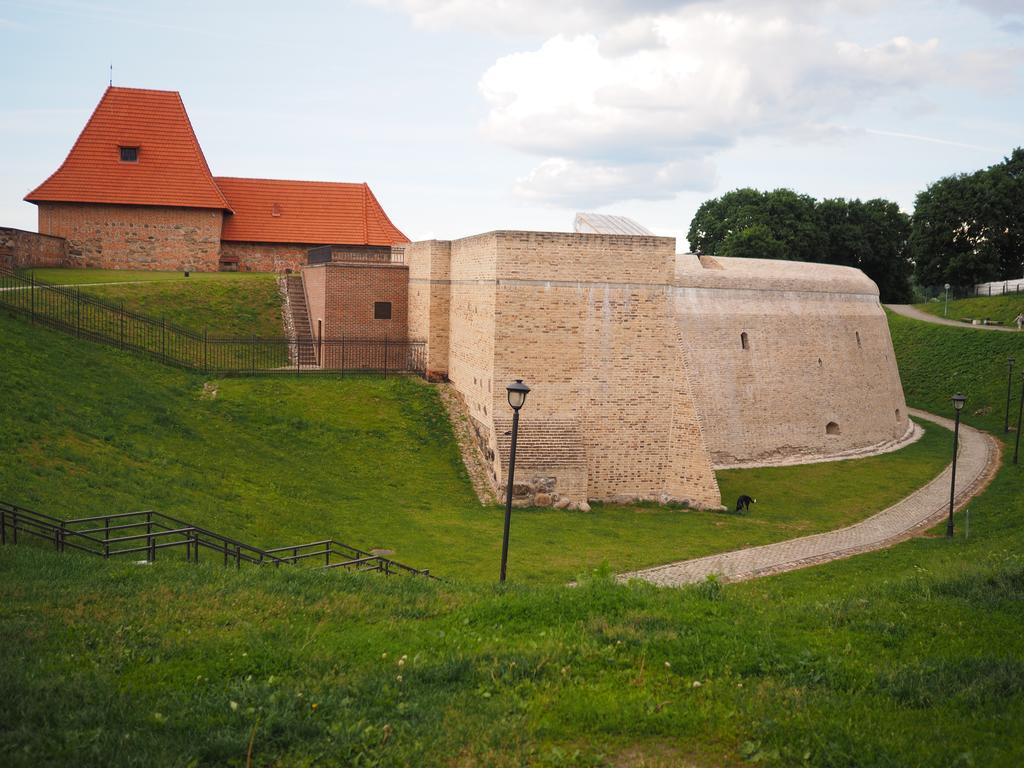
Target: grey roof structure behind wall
point(607, 224)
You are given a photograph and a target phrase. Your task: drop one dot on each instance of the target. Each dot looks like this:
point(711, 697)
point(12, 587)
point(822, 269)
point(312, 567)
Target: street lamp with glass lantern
point(517, 393)
point(945, 308)
point(958, 405)
point(1009, 385)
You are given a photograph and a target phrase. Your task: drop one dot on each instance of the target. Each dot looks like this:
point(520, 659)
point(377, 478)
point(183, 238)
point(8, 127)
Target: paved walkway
point(916, 314)
point(976, 466)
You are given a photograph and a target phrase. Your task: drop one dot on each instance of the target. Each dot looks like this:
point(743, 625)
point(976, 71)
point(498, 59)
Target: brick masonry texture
point(278, 257)
point(134, 236)
point(19, 248)
point(636, 358)
point(341, 296)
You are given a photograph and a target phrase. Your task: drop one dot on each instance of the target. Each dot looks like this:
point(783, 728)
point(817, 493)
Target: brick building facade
point(136, 192)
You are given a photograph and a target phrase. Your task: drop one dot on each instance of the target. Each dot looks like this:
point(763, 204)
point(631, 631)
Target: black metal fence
point(74, 311)
point(144, 534)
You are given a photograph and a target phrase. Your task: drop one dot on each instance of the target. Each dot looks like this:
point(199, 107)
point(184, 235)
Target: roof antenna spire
point(111, 80)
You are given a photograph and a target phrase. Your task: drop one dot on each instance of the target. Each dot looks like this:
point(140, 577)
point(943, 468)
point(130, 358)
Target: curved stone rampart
point(787, 359)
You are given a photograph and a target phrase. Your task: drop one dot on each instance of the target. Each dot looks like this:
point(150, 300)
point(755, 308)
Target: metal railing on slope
point(147, 532)
point(74, 311)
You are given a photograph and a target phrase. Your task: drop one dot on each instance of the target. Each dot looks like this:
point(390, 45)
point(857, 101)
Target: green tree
point(969, 228)
point(783, 224)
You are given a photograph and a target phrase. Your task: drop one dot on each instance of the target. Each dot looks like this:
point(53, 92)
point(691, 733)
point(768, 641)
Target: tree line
point(966, 229)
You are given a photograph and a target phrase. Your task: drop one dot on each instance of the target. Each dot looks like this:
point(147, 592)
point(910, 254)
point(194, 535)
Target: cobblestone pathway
point(916, 314)
point(977, 464)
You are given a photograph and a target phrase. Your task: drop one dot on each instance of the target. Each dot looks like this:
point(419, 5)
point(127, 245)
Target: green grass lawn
point(938, 361)
point(71, 276)
point(233, 304)
point(368, 461)
point(1000, 308)
point(911, 656)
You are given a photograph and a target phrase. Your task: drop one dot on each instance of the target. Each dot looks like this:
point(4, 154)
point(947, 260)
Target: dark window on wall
point(129, 154)
point(382, 310)
point(744, 340)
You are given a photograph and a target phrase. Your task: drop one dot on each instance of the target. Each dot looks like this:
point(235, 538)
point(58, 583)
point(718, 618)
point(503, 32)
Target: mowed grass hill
point(910, 656)
point(1002, 309)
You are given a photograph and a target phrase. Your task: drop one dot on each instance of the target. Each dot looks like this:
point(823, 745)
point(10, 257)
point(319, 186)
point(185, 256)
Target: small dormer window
point(129, 154)
point(275, 209)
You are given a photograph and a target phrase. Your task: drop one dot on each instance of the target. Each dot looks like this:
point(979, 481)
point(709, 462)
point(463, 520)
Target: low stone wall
point(19, 249)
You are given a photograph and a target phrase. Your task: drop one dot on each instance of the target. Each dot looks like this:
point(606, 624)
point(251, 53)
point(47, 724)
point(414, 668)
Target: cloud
point(632, 107)
point(582, 184)
point(542, 16)
point(622, 100)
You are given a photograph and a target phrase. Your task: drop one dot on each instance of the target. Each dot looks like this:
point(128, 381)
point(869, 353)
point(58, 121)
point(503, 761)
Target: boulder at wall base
point(563, 503)
point(542, 500)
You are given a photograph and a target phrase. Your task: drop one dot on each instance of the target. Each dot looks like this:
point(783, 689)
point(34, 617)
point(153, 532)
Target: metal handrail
point(192, 537)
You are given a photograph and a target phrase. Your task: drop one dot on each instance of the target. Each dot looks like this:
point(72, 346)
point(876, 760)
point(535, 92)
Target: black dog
point(743, 503)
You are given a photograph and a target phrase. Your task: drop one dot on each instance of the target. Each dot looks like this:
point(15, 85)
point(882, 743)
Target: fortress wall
point(804, 366)
point(430, 301)
point(585, 320)
point(471, 332)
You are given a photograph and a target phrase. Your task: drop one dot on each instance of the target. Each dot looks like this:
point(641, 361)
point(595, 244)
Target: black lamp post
point(1009, 384)
point(1020, 412)
point(516, 397)
point(958, 405)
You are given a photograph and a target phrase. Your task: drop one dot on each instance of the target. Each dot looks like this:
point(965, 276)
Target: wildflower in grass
point(668, 665)
point(401, 662)
point(696, 683)
point(314, 706)
point(234, 706)
point(384, 655)
point(398, 678)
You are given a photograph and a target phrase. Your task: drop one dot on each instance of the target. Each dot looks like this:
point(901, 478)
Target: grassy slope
point(937, 361)
point(368, 461)
point(1001, 308)
point(911, 656)
point(223, 303)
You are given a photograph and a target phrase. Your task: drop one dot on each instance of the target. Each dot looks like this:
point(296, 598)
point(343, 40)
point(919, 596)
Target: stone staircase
point(299, 321)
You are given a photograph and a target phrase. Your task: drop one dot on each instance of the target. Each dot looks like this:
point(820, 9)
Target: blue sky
point(470, 115)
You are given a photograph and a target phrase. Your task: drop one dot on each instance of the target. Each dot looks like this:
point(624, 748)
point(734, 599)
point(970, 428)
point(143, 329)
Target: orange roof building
point(136, 191)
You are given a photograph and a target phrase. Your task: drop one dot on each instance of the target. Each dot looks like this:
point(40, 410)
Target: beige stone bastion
point(649, 369)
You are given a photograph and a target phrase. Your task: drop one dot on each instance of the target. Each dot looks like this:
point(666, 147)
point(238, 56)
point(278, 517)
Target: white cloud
point(510, 16)
point(633, 100)
point(583, 184)
point(655, 95)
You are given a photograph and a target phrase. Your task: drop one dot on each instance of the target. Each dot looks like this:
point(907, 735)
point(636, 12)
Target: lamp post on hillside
point(1020, 412)
point(516, 397)
point(1009, 385)
point(945, 307)
point(958, 405)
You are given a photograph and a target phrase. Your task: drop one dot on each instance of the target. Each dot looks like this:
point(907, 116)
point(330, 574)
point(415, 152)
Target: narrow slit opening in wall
point(857, 333)
point(832, 428)
point(744, 340)
point(897, 414)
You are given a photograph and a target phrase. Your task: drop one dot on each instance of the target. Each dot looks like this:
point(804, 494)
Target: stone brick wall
point(430, 301)
point(277, 257)
point(641, 373)
point(19, 248)
point(342, 296)
point(818, 351)
point(264, 257)
point(135, 237)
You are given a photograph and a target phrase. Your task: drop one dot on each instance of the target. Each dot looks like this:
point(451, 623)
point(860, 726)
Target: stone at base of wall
point(437, 377)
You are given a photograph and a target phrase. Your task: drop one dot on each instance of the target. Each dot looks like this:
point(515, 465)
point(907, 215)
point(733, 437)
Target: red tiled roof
point(313, 212)
point(171, 169)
